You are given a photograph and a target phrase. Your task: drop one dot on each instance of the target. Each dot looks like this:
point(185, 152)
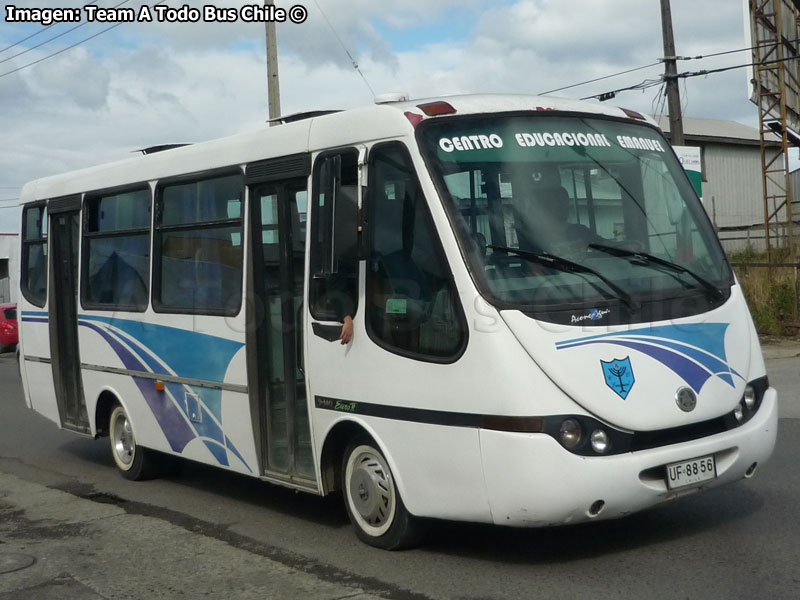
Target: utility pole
point(671, 77)
point(273, 88)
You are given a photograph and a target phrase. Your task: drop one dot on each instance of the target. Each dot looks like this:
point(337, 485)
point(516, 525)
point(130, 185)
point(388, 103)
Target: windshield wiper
point(567, 266)
point(647, 258)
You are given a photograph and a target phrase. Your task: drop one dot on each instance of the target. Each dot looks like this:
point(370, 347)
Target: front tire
point(373, 502)
point(133, 461)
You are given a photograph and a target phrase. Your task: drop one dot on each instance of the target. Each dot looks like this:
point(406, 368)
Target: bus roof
point(382, 121)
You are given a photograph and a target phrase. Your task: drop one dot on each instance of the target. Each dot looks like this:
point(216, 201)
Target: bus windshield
point(561, 213)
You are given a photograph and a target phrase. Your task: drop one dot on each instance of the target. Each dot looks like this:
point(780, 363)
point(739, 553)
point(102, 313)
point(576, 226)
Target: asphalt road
point(740, 541)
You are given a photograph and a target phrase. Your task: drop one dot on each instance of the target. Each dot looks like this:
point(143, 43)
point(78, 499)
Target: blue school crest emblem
point(619, 375)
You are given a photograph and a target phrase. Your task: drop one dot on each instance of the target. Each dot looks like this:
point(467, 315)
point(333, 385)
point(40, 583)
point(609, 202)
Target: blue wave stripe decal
point(707, 336)
point(172, 422)
point(695, 352)
point(692, 373)
point(710, 362)
point(236, 453)
point(219, 452)
point(169, 412)
point(189, 354)
point(209, 427)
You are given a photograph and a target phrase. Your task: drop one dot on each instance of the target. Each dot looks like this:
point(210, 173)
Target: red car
point(8, 327)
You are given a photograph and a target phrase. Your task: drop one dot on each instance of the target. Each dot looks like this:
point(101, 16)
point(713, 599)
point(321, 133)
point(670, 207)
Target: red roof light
point(633, 114)
point(414, 118)
point(435, 109)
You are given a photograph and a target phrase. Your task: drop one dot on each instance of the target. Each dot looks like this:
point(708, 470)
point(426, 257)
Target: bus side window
point(334, 262)
point(411, 300)
point(34, 254)
point(116, 270)
point(198, 246)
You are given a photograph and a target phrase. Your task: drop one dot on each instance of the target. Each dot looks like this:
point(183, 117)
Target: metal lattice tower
point(778, 97)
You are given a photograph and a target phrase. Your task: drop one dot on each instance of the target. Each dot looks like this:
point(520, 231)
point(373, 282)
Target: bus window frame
point(157, 229)
point(369, 212)
point(44, 241)
point(86, 235)
point(313, 228)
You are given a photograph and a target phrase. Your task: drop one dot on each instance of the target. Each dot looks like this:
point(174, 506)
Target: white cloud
point(72, 77)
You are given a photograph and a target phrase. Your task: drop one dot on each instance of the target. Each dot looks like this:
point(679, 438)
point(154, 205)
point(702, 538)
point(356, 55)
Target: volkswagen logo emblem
point(686, 399)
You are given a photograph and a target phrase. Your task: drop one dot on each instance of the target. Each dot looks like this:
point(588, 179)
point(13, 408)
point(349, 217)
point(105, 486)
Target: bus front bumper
point(533, 482)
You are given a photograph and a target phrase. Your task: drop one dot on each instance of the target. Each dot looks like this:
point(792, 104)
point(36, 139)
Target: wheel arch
point(106, 401)
point(336, 441)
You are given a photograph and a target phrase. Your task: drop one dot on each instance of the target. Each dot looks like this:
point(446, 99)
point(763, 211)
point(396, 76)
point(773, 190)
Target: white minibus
point(545, 328)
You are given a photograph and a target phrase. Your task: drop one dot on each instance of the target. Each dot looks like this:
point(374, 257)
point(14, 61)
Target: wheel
point(373, 503)
point(134, 462)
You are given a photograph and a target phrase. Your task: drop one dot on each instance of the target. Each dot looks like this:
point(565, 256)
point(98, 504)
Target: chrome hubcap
point(124, 445)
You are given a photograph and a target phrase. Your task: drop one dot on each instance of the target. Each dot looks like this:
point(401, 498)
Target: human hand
point(347, 330)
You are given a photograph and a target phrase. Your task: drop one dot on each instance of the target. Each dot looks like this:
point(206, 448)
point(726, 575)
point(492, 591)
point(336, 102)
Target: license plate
point(690, 472)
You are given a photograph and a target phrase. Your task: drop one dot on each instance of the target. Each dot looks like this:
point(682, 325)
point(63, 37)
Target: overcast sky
point(142, 84)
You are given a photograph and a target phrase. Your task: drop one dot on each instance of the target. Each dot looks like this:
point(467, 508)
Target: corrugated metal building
point(795, 183)
point(732, 184)
point(8, 267)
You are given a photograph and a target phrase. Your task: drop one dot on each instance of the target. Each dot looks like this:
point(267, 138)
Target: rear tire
point(133, 461)
point(373, 502)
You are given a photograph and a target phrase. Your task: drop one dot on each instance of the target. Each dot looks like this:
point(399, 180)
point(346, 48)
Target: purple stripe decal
point(710, 362)
point(175, 427)
point(32, 320)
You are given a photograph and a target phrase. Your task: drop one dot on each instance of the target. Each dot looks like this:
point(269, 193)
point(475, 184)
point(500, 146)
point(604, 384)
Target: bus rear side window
point(117, 251)
point(198, 245)
point(34, 254)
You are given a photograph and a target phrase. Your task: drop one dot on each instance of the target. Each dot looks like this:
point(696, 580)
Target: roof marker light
point(633, 114)
point(414, 118)
point(435, 109)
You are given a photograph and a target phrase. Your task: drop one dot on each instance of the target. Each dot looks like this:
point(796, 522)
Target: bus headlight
point(570, 433)
point(750, 401)
point(749, 396)
point(600, 441)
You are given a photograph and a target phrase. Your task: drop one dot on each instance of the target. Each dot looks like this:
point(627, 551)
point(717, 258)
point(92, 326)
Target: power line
point(648, 83)
point(91, 37)
point(35, 33)
point(661, 60)
point(733, 67)
point(723, 53)
point(350, 56)
point(36, 62)
point(55, 37)
point(25, 39)
point(567, 87)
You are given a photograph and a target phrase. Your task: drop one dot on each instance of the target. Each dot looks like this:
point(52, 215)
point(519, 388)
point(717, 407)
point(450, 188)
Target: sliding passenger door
point(278, 202)
point(63, 316)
